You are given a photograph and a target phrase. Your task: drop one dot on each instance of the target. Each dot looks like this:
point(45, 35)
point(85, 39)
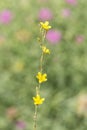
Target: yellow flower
point(45, 50)
point(38, 100)
point(45, 25)
point(41, 77)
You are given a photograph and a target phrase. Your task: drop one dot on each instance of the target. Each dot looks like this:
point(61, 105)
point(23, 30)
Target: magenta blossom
point(79, 38)
point(45, 14)
point(6, 16)
point(53, 36)
point(66, 12)
point(72, 2)
point(21, 125)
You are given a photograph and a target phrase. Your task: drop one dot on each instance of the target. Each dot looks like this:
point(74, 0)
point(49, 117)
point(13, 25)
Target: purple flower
point(66, 12)
point(53, 36)
point(79, 38)
point(72, 2)
point(45, 14)
point(21, 125)
point(6, 16)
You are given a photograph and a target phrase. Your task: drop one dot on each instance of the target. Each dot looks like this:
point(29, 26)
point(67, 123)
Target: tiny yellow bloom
point(45, 25)
point(41, 77)
point(38, 100)
point(45, 50)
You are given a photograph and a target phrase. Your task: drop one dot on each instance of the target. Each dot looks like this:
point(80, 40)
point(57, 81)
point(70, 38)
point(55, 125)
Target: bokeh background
point(65, 92)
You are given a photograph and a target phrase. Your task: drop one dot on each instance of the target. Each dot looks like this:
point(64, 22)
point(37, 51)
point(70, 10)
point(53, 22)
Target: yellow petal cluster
point(45, 50)
point(45, 25)
point(38, 100)
point(41, 77)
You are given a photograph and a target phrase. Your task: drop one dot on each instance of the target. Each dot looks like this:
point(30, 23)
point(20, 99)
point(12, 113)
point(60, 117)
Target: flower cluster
point(45, 50)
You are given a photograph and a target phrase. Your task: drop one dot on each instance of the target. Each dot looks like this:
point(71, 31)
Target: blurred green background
point(65, 92)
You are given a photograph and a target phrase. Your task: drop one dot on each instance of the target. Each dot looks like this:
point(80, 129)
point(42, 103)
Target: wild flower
point(45, 14)
point(38, 100)
point(45, 25)
point(53, 36)
point(45, 50)
point(66, 12)
point(6, 16)
point(41, 77)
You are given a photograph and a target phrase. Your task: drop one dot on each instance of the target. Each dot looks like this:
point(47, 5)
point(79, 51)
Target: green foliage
point(66, 66)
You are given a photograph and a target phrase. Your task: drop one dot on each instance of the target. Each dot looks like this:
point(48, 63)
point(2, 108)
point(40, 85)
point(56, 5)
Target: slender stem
point(35, 118)
point(41, 62)
point(42, 55)
point(39, 86)
point(41, 69)
point(37, 90)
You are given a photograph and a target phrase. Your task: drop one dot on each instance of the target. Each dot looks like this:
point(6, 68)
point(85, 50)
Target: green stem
point(35, 118)
point(41, 62)
point(41, 69)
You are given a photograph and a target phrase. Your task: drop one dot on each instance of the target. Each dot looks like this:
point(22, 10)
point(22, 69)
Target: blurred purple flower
point(72, 2)
point(79, 38)
point(6, 16)
point(45, 14)
point(53, 36)
point(21, 125)
point(66, 12)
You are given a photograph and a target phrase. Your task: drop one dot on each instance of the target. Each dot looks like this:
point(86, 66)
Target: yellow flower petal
point(45, 50)
point(41, 77)
point(45, 25)
point(38, 100)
